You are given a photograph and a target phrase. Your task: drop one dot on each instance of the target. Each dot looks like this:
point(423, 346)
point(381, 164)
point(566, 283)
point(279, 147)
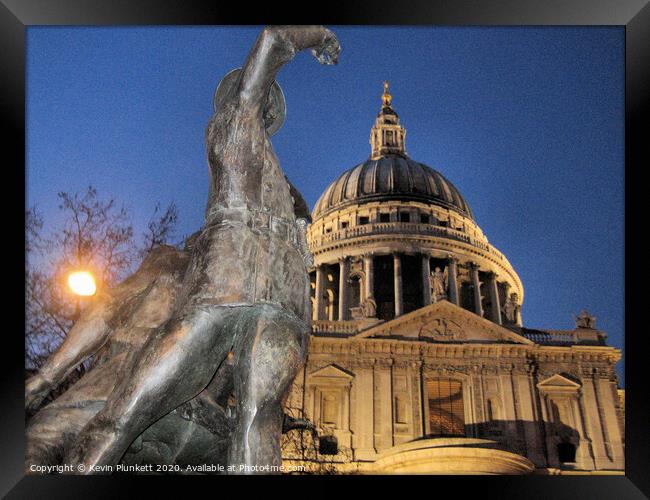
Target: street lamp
point(82, 283)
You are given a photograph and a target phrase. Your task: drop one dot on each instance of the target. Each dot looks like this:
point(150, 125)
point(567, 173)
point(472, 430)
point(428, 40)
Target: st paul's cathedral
point(420, 360)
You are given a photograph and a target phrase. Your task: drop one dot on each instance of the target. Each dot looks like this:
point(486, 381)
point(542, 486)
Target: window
point(328, 230)
point(363, 220)
point(566, 452)
point(424, 218)
point(405, 217)
point(330, 409)
point(328, 445)
point(384, 217)
point(400, 410)
point(446, 411)
point(493, 422)
point(344, 224)
point(490, 410)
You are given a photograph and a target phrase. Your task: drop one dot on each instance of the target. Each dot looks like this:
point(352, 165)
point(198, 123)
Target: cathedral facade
point(419, 360)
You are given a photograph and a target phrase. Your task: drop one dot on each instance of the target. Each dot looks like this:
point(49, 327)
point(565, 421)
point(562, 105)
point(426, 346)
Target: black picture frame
point(16, 15)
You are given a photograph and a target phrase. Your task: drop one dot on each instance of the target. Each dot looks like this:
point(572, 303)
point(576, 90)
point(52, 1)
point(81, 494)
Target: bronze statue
point(238, 324)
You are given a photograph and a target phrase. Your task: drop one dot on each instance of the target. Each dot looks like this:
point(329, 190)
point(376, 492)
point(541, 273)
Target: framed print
point(417, 256)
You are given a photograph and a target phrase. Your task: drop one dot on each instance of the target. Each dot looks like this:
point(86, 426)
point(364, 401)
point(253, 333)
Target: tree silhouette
point(96, 235)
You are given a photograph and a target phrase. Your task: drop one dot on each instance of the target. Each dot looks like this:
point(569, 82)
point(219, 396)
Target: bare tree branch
point(160, 230)
point(96, 236)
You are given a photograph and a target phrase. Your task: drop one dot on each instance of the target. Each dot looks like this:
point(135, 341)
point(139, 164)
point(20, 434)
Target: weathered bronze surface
point(197, 350)
point(275, 111)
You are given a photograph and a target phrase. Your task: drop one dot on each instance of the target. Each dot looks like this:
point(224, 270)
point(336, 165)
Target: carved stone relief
point(442, 329)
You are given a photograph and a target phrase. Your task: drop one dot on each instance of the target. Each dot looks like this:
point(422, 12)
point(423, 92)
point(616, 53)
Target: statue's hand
point(328, 51)
point(36, 390)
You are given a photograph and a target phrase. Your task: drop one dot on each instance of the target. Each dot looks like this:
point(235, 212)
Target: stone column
point(452, 279)
point(369, 268)
point(364, 412)
point(426, 285)
point(607, 398)
point(417, 408)
point(320, 290)
point(593, 422)
point(531, 422)
point(476, 285)
point(397, 274)
point(508, 410)
point(344, 269)
point(584, 454)
point(383, 404)
point(548, 431)
point(495, 314)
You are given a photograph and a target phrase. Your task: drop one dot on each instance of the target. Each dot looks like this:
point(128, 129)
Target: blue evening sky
point(526, 122)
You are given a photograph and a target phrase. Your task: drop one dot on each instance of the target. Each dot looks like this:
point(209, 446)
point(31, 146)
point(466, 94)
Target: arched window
point(446, 409)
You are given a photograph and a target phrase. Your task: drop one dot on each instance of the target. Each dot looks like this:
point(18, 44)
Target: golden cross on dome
point(386, 98)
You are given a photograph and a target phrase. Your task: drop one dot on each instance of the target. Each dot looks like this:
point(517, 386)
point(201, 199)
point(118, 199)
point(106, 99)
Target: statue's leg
point(85, 337)
point(267, 358)
point(174, 366)
point(51, 430)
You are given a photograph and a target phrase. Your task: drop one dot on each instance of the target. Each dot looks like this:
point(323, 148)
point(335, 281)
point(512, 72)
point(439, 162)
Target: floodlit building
point(419, 359)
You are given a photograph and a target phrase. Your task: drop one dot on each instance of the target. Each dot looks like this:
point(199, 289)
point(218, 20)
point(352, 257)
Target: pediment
point(444, 322)
point(332, 371)
point(558, 382)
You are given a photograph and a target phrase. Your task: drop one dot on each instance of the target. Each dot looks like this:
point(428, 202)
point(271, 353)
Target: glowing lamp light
point(82, 283)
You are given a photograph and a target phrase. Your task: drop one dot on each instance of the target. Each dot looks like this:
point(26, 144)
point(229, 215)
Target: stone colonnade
point(452, 289)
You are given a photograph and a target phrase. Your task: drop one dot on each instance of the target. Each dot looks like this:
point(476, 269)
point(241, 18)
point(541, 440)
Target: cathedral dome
point(394, 231)
point(390, 177)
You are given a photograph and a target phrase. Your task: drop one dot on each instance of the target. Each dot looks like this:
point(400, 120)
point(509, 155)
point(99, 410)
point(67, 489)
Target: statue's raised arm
point(275, 47)
point(236, 139)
